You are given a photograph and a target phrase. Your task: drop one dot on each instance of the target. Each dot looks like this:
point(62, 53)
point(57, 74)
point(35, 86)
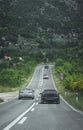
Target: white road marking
point(37, 103)
point(32, 109)
point(18, 118)
point(22, 121)
point(41, 83)
point(64, 99)
point(38, 95)
point(36, 99)
point(71, 106)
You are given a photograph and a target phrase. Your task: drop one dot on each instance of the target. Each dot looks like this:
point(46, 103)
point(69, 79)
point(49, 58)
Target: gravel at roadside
point(8, 96)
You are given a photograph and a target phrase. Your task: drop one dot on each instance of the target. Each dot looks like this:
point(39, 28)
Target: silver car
point(26, 93)
point(45, 76)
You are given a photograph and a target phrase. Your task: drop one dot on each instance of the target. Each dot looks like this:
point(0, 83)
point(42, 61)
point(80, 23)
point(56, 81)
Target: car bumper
point(50, 99)
point(26, 96)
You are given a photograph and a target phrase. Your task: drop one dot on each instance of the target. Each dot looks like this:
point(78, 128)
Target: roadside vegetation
point(27, 39)
point(1, 100)
point(69, 81)
point(14, 77)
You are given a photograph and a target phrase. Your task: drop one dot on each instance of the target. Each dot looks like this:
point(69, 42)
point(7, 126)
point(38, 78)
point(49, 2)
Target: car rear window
point(50, 91)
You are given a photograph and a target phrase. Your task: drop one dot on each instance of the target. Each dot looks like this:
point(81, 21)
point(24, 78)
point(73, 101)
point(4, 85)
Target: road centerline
point(18, 118)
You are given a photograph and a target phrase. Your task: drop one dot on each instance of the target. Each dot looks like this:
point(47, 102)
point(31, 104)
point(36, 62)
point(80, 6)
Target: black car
point(46, 66)
point(50, 96)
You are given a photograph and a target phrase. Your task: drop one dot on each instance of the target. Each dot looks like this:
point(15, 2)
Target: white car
point(45, 76)
point(26, 93)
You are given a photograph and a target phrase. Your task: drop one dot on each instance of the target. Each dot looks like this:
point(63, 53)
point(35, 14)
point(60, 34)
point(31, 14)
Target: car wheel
point(41, 101)
point(58, 102)
point(19, 97)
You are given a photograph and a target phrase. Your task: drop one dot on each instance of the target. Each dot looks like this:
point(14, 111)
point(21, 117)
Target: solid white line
point(32, 78)
point(22, 121)
point(71, 106)
point(64, 99)
point(18, 118)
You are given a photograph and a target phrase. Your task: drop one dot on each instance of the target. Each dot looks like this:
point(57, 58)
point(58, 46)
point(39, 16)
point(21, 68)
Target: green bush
point(1, 100)
point(9, 77)
point(13, 76)
point(68, 67)
point(77, 83)
point(73, 79)
point(59, 62)
point(68, 81)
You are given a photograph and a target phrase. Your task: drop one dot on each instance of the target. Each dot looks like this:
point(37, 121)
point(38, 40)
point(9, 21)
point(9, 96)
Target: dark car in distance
point(46, 67)
point(50, 96)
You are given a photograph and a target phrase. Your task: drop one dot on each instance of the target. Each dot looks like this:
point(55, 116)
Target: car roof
point(26, 89)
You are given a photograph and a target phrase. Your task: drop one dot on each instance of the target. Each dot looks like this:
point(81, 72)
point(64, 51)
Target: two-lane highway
point(32, 115)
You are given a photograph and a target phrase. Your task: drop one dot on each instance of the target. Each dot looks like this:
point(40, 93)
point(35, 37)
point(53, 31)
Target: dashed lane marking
point(36, 103)
point(32, 109)
point(22, 121)
point(18, 118)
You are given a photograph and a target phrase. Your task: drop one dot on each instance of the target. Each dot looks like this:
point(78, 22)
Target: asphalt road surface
point(28, 114)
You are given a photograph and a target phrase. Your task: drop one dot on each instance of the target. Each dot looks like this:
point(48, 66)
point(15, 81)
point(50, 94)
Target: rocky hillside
point(49, 17)
point(24, 23)
point(41, 18)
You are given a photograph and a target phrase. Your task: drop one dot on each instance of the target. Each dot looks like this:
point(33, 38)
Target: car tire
point(58, 102)
point(19, 97)
point(41, 102)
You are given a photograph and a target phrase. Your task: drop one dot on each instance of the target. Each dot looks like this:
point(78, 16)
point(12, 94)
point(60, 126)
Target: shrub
point(68, 67)
point(9, 77)
point(59, 62)
point(12, 77)
point(68, 81)
point(77, 85)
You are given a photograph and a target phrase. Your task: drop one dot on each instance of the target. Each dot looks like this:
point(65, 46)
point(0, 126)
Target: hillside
point(49, 18)
point(41, 18)
point(34, 26)
point(42, 31)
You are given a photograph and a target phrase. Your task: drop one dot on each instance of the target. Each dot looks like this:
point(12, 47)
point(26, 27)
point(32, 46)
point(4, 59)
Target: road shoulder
point(8, 96)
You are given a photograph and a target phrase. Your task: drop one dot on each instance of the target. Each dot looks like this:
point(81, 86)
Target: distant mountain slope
point(41, 18)
point(38, 17)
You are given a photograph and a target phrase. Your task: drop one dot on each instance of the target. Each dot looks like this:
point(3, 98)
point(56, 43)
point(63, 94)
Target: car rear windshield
point(50, 91)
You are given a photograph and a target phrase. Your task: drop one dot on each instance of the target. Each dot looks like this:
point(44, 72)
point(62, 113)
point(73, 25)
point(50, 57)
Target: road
point(32, 115)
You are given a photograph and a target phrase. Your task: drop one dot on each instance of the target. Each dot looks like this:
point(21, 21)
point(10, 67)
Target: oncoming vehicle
point(50, 96)
point(26, 93)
